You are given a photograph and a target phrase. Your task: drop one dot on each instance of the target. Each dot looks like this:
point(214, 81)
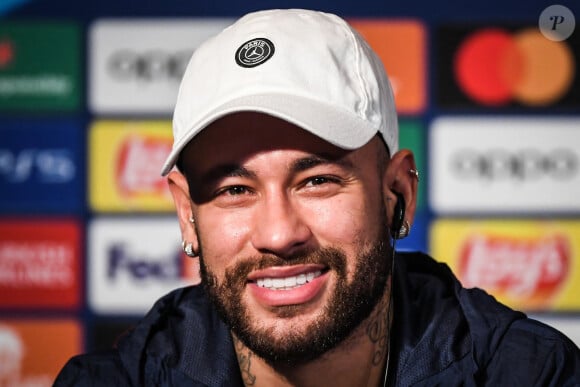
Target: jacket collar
point(181, 338)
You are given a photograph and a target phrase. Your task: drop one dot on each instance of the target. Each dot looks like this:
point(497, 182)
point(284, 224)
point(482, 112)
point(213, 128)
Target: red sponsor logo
point(138, 166)
point(6, 53)
point(39, 264)
point(527, 269)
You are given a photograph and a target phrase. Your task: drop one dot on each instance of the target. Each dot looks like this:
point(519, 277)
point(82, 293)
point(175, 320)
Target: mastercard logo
point(495, 67)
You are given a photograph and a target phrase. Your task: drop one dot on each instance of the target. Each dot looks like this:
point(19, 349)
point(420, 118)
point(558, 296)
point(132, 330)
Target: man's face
point(293, 234)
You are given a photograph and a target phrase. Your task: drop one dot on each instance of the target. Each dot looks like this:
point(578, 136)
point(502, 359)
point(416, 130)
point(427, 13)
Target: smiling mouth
point(287, 283)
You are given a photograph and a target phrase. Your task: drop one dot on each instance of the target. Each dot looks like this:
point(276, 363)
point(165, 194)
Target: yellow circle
point(548, 69)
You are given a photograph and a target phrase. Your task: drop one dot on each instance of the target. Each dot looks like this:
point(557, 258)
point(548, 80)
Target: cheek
point(222, 238)
point(347, 222)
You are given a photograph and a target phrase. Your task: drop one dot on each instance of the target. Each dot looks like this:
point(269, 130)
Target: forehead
point(238, 136)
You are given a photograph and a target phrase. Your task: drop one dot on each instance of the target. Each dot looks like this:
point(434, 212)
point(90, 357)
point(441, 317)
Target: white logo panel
point(136, 65)
point(504, 165)
point(132, 262)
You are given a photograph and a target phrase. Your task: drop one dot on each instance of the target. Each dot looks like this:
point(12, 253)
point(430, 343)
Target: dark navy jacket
point(443, 335)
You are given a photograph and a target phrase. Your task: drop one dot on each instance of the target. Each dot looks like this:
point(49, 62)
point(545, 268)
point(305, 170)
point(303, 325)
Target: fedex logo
point(139, 258)
point(51, 166)
point(163, 268)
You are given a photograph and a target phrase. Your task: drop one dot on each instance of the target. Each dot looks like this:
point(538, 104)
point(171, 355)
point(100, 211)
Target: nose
point(280, 226)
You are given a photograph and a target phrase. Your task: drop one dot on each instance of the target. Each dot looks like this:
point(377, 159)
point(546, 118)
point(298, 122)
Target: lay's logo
point(125, 165)
point(138, 166)
point(526, 264)
point(519, 268)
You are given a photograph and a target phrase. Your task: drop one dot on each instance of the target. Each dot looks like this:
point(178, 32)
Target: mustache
point(329, 257)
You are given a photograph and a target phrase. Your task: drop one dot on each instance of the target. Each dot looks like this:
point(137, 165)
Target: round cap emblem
point(254, 52)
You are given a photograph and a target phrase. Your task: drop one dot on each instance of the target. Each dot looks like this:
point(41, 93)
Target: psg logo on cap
point(254, 52)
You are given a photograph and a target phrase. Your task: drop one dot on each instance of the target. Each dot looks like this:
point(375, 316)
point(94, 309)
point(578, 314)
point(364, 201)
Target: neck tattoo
point(378, 332)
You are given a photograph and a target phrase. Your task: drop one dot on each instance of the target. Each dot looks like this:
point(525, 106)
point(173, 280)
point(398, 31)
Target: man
point(290, 189)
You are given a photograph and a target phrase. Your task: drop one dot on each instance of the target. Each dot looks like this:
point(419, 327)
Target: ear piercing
point(404, 230)
point(415, 173)
point(188, 249)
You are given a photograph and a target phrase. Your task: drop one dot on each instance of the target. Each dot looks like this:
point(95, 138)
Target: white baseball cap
point(306, 67)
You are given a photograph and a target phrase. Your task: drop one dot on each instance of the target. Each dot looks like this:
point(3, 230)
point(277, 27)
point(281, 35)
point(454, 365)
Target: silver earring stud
point(188, 249)
point(415, 173)
point(404, 230)
point(191, 220)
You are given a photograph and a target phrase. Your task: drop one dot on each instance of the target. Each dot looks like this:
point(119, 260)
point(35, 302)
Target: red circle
point(487, 66)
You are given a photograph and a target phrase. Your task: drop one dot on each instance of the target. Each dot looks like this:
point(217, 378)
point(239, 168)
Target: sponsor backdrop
point(489, 98)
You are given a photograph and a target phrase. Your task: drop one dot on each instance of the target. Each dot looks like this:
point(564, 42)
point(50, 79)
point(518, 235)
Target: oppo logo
point(149, 66)
point(526, 164)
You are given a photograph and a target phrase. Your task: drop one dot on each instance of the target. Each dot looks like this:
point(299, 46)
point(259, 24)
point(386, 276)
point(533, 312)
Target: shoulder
point(503, 346)
point(181, 341)
point(534, 353)
point(95, 369)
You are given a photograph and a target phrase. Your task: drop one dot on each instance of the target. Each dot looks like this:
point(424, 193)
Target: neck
point(360, 360)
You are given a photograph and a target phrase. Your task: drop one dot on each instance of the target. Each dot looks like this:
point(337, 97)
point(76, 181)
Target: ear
point(180, 191)
point(399, 178)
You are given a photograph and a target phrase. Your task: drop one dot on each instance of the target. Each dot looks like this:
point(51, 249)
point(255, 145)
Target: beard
point(348, 306)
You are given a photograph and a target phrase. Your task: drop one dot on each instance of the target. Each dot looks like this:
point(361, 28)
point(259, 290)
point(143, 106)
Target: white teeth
point(287, 282)
point(301, 279)
point(290, 282)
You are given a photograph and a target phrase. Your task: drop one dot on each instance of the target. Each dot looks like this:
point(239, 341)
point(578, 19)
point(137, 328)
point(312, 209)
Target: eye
point(233, 195)
point(234, 190)
point(317, 180)
point(321, 181)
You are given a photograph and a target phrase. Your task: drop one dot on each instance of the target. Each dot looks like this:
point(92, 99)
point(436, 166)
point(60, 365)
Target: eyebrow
point(309, 162)
point(226, 170)
point(299, 165)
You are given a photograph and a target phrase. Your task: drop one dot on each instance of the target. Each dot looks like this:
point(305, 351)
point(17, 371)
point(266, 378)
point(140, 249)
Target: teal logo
point(40, 66)
point(411, 136)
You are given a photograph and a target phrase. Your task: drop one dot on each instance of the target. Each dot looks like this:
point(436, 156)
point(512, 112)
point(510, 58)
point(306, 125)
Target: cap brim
point(336, 126)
